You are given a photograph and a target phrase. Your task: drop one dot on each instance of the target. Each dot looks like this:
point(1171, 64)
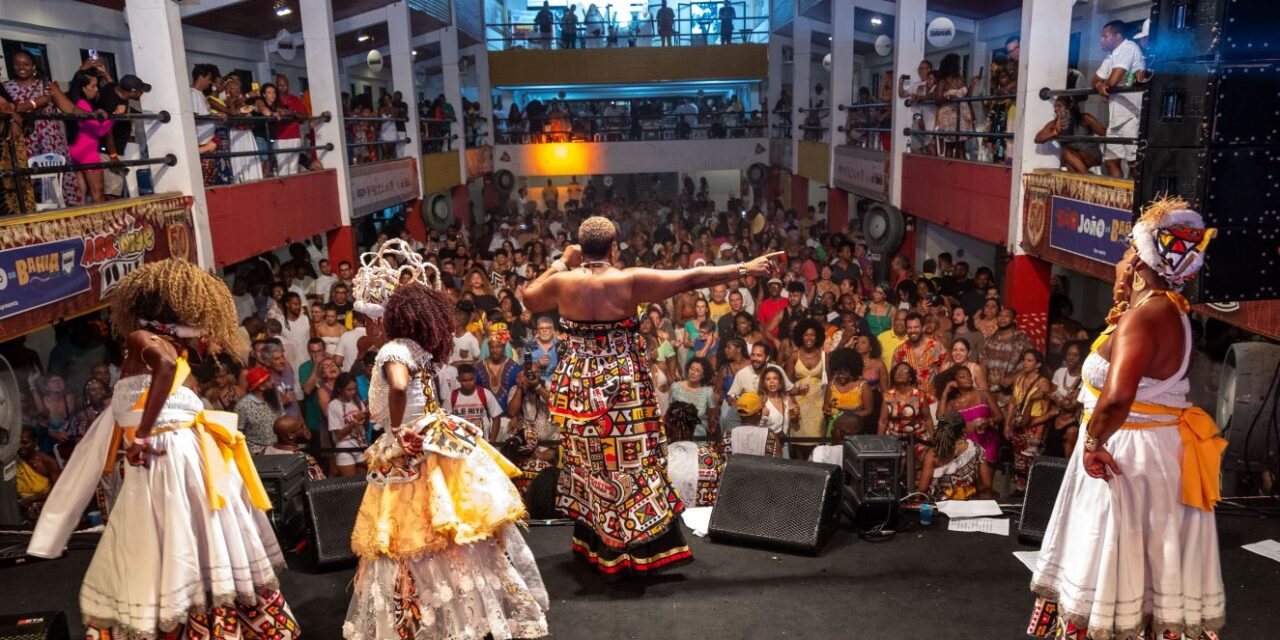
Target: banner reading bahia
point(39, 274)
point(1089, 230)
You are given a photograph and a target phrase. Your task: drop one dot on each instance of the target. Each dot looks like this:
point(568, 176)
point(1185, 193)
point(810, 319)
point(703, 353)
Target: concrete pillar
point(841, 90)
point(802, 30)
point(908, 51)
point(159, 55)
point(774, 85)
point(402, 76)
point(263, 68)
point(484, 92)
point(837, 210)
point(326, 94)
point(799, 193)
point(1043, 62)
point(453, 90)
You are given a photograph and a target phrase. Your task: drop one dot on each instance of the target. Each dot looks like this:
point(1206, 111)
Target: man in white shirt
point(1124, 63)
point(325, 281)
point(748, 379)
point(203, 76)
point(473, 403)
point(465, 346)
point(296, 330)
point(347, 344)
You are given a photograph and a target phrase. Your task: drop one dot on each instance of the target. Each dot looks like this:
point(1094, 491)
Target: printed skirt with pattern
point(268, 618)
point(614, 481)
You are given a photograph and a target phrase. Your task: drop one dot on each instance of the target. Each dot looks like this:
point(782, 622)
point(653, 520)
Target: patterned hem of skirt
point(169, 624)
point(664, 553)
point(523, 631)
point(1078, 625)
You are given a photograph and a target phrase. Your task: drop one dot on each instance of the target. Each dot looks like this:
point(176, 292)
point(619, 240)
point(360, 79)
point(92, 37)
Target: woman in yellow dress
point(440, 556)
point(848, 403)
point(808, 370)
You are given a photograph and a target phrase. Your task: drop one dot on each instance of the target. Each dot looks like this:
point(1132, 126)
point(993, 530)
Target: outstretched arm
point(653, 285)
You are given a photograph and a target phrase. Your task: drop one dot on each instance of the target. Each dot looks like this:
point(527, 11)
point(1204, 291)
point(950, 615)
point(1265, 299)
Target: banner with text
point(1089, 230)
point(54, 267)
point(379, 185)
point(862, 171)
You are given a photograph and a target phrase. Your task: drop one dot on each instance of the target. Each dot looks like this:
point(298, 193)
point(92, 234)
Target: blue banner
point(40, 274)
point(1089, 230)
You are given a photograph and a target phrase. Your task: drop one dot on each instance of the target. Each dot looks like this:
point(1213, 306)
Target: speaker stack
point(1210, 124)
point(775, 503)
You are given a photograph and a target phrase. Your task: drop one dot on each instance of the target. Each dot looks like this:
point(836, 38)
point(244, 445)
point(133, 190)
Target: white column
point(159, 55)
point(1043, 63)
point(841, 90)
point(776, 76)
point(326, 94)
point(263, 68)
point(398, 16)
point(453, 90)
point(802, 30)
point(484, 92)
point(908, 51)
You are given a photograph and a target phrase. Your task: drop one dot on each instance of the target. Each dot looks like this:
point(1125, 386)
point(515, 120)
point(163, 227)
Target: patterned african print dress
point(440, 555)
point(188, 551)
point(614, 479)
point(47, 136)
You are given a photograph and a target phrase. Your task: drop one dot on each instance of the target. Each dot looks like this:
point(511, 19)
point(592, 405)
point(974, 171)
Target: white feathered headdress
point(394, 263)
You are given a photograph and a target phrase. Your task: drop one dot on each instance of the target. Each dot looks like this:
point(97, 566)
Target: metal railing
point(268, 149)
point(366, 142)
point(629, 128)
point(989, 144)
point(615, 33)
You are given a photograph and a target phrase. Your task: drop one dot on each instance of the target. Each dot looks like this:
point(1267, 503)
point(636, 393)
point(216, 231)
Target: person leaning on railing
point(1079, 157)
point(17, 196)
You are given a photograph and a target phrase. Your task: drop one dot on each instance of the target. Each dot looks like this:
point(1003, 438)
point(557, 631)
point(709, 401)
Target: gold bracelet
point(1091, 443)
point(742, 270)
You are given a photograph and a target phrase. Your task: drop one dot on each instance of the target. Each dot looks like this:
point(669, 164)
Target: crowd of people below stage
point(825, 351)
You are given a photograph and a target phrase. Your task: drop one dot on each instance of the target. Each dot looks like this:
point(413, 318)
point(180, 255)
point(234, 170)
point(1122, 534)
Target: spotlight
point(282, 8)
point(877, 21)
point(415, 52)
point(362, 37)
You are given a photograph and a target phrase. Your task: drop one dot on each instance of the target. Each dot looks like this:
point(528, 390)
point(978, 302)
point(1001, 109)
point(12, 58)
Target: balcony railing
point(627, 33)
point(955, 132)
point(865, 124)
point(632, 128)
point(247, 148)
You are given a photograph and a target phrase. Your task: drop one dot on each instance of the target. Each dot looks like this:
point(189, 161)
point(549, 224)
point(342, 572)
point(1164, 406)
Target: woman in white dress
point(440, 556)
point(188, 551)
point(1131, 551)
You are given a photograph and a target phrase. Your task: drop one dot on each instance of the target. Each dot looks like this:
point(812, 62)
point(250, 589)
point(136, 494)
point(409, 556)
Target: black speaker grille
point(787, 504)
point(1043, 482)
point(332, 507)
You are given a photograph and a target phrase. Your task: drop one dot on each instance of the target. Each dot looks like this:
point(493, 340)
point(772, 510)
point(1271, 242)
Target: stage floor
point(923, 583)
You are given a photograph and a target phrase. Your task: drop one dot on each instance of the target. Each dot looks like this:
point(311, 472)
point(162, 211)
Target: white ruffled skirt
point(165, 555)
point(466, 592)
point(1125, 556)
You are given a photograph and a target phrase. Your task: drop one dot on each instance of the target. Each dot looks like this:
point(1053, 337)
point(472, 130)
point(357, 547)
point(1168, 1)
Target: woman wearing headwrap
point(188, 551)
point(1131, 550)
point(440, 556)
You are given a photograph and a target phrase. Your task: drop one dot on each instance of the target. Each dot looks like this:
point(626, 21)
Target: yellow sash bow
point(220, 444)
point(1202, 449)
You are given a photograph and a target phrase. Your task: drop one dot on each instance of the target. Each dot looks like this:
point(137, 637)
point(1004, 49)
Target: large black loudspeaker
point(283, 477)
point(332, 506)
point(1043, 482)
point(43, 625)
point(788, 505)
point(1209, 122)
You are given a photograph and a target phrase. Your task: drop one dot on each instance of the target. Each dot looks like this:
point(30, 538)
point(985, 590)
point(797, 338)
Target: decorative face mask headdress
point(1171, 238)
point(394, 264)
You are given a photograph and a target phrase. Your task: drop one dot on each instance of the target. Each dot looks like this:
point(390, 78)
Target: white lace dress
point(1125, 556)
point(166, 558)
point(440, 555)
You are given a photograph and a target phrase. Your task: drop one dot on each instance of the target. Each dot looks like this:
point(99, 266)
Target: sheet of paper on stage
point(698, 519)
point(1266, 548)
point(999, 526)
point(1028, 558)
point(969, 508)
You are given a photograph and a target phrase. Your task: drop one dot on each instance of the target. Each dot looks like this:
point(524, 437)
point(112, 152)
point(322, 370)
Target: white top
point(408, 353)
point(689, 112)
point(1127, 56)
point(772, 417)
point(200, 107)
point(479, 407)
point(748, 380)
point(1062, 382)
point(468, 344)
point(342, 414)
point(347, 347)
point(1171, 392)
point(322, 285)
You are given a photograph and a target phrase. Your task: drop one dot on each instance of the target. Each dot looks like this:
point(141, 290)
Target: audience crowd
point(837, 346)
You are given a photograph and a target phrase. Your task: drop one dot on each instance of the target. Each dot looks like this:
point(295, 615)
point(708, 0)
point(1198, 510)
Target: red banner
point(81, 255)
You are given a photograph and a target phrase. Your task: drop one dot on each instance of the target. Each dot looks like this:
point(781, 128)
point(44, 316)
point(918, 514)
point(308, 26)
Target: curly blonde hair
point(174, 291)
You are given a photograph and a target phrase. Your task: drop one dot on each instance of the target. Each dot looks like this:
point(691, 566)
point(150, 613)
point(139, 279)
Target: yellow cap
point(749, 404)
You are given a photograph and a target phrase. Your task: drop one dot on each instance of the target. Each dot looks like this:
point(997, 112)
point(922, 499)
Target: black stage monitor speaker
point(787, 505)
point(1043, 482)
point(283, 477)
point(42, 625)
point(1193, 104)
point(1248, 409)
point(1232, 29)
point(332, 506)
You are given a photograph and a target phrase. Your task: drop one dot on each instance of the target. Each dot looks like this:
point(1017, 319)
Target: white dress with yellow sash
point(185, 534)
point(1129, 555)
